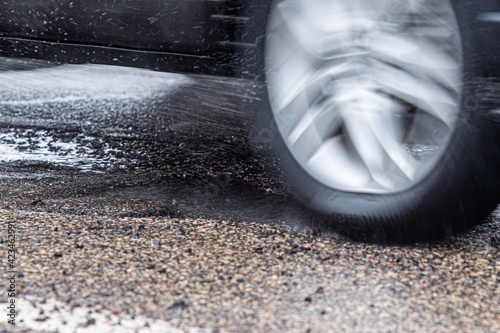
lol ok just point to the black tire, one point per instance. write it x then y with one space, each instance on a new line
460 191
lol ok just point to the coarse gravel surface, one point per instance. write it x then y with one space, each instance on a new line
243 276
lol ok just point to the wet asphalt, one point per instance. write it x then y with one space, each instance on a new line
139 193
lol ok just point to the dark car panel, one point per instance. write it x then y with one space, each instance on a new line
154 34
206 36
156 25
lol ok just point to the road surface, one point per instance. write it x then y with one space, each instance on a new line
138 205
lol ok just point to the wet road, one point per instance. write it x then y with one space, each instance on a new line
135 197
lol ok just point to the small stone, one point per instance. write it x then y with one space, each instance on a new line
41 319
90 321
179 304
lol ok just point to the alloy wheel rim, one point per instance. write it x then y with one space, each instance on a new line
365 95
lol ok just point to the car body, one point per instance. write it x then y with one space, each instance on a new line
201 36
176 35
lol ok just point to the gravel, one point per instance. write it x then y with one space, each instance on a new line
244 276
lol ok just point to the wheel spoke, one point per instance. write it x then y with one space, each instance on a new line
418 58
309 86
381 124
422 93
298 25
336 163
322 118
367 147
320 33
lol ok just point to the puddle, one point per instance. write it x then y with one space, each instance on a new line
40 145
